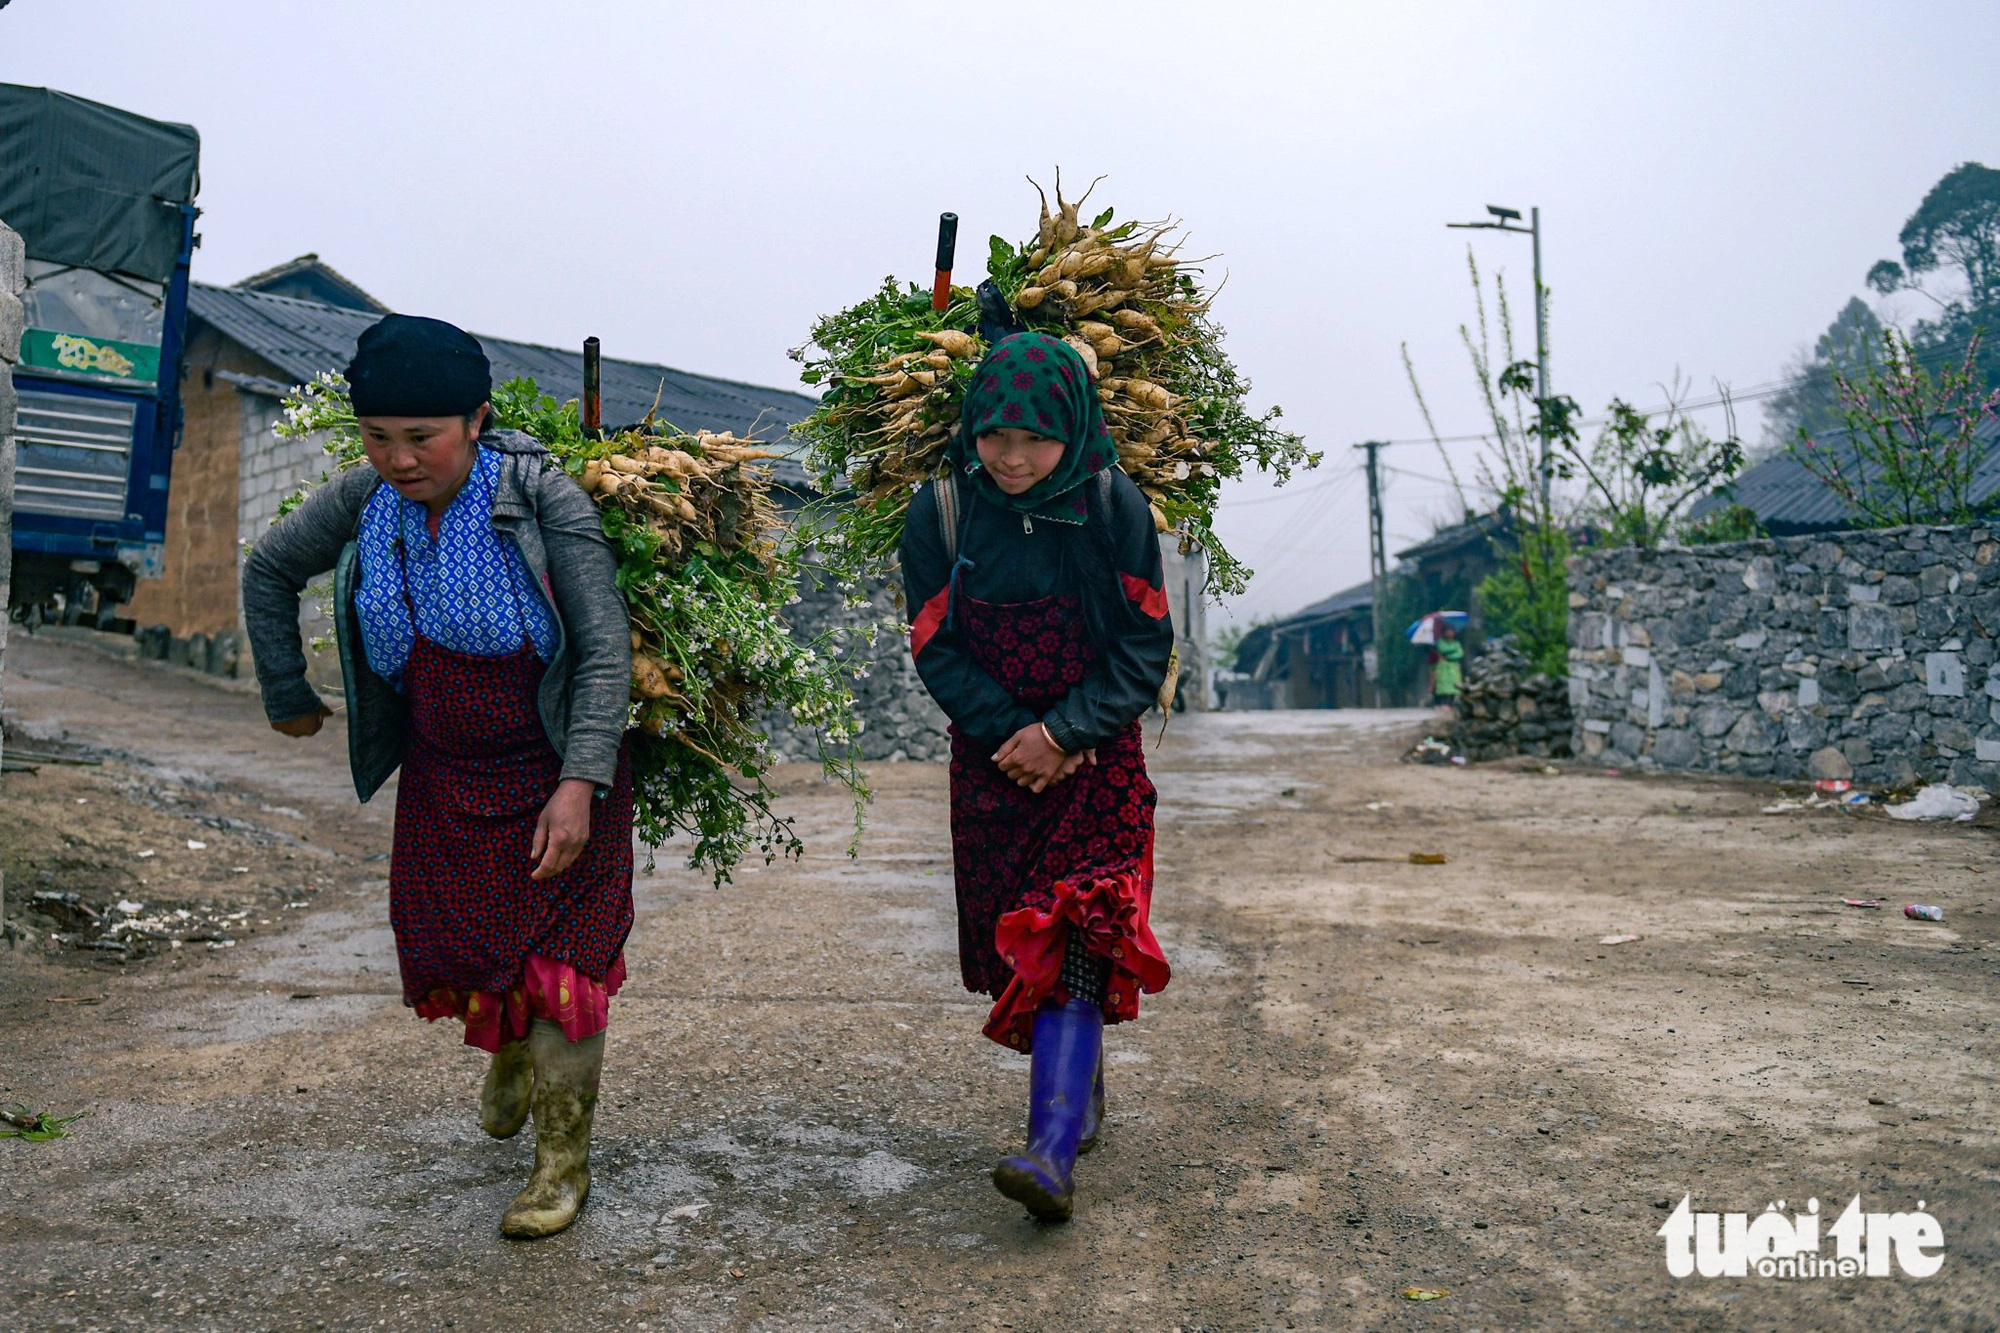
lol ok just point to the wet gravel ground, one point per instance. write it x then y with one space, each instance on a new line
1368 1075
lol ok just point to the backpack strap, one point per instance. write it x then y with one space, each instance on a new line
945 490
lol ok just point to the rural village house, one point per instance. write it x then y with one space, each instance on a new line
1319 657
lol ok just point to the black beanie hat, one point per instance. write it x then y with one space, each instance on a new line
409 366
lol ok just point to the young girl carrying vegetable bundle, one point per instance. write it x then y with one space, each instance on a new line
1039 623
485 650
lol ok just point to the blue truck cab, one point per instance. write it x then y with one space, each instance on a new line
104 202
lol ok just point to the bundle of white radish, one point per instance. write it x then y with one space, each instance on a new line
894 372
706 570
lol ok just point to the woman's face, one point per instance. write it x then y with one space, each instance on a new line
1017 459
426 459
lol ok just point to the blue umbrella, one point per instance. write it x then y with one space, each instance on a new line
1424 631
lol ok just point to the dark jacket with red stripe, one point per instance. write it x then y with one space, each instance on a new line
1011 561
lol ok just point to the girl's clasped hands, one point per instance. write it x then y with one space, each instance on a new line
1033 759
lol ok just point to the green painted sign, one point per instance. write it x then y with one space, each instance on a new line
102 358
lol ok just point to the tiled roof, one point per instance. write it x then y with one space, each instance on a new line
1788 500
1456 537
1359 598
303 338
310 278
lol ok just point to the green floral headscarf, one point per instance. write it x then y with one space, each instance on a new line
1036 382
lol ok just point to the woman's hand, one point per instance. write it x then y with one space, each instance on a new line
1033 761
563 829
303 726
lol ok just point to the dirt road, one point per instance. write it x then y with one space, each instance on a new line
1368 1075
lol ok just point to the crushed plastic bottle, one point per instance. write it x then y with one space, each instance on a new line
1922 912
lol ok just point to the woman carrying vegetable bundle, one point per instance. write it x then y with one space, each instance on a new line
485 649
1040 625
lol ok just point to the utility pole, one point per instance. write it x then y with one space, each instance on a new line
1541 353
1378 563
1502 218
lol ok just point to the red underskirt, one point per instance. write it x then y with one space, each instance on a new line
1107 916
555 992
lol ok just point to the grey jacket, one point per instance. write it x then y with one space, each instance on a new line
585 693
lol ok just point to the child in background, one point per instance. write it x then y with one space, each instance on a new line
1447 667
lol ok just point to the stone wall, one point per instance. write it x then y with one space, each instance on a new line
1505 707
269 468
900 721
1870 654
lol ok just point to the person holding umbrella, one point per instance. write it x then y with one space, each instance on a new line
1439 631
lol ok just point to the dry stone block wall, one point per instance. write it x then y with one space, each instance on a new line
1864 654
1505 707
899 719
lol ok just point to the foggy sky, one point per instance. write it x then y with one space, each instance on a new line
694 183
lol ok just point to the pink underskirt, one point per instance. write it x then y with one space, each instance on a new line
552 991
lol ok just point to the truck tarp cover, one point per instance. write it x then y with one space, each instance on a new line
90 185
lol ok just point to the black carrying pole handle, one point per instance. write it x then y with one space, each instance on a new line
947 250
593 396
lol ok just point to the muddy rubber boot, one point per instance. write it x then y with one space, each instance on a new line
565 1097
503 1102
1069 1039
1093 1119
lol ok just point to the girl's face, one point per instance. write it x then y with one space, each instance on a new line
1018 459
426 459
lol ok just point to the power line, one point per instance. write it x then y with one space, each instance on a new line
1926 356
1424 476
1292 494
1303 521
1289 553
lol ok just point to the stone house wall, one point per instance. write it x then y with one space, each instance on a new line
900 719
1866 653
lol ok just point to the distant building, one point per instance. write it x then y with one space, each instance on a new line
1325 655
1790 501
1314 658
248 344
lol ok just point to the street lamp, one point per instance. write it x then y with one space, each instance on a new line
1508 219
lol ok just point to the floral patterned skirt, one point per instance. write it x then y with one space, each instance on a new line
1070 867
477 936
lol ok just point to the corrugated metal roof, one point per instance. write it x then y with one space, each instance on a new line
1789 500
303 338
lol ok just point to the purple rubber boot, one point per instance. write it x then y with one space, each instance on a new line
1069 1041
